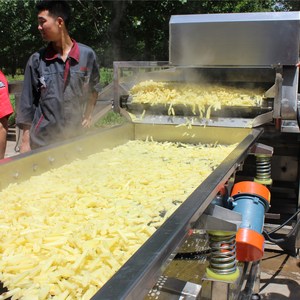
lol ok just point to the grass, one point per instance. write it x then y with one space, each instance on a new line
12 117
15 78
106 76
110 119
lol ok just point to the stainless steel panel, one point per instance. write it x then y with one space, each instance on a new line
196 134
237 39
289 93
23 166
212 122
285 168
244 117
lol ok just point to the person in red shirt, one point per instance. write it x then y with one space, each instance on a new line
6 110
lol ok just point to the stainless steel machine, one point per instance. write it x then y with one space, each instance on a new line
253 50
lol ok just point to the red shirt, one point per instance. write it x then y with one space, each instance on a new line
6 108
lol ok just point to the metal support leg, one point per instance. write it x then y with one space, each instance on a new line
219 290
248 291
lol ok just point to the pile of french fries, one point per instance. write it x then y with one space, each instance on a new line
201 98
65 232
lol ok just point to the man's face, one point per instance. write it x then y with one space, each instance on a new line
49 26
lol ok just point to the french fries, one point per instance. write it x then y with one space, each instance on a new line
65 232
201 98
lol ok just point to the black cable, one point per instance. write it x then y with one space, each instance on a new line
281 240
284 223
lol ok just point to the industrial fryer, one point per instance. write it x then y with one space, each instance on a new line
242 50
252 50
140 273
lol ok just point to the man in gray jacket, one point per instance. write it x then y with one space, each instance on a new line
59 90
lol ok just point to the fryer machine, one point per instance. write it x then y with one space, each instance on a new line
254 49
243 49
247 50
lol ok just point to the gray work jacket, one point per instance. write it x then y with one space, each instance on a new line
55 93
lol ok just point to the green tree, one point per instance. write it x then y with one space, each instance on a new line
116 30
90 25
18 33
144 26
291 5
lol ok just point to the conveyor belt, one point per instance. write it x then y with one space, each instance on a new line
182 110
140 273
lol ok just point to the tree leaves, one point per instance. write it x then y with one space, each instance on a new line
116 30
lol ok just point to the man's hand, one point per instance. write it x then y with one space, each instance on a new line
87 117
86 122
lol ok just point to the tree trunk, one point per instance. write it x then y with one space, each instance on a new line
118 12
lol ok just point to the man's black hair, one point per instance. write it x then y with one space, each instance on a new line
56 8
